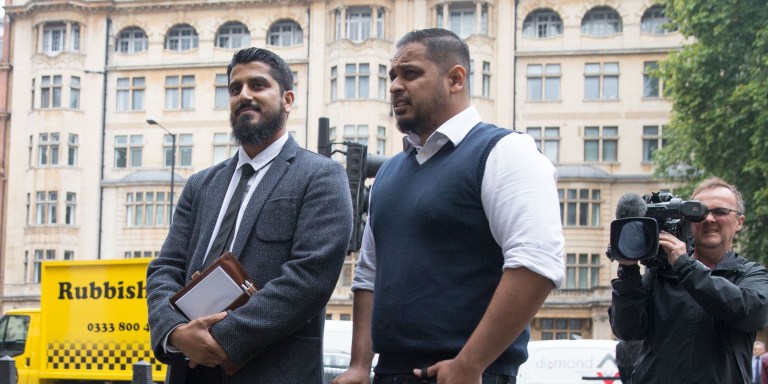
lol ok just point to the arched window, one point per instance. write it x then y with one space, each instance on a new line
285 33
182 37
542 23
655 21
131 40
601 21
233 35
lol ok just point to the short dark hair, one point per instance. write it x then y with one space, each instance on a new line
444 47
280 69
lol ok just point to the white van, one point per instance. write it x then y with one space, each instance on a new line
570 362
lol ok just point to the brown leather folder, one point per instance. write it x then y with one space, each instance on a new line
232 267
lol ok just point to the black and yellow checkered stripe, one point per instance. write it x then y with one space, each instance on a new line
111 356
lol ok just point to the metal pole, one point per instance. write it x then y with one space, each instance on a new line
173 175
173 166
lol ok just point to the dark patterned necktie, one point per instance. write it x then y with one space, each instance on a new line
227 228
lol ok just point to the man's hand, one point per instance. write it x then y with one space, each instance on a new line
194 339
452 371
673 247
353 375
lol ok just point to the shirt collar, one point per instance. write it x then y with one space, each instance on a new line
453 130
264 157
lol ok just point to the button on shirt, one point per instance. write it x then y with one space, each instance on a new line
519 196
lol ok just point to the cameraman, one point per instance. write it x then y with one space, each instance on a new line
698 316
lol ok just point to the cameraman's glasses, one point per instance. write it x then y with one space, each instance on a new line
720 212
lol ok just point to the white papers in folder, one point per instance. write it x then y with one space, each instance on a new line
211 295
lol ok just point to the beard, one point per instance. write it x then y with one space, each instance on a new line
424 119
247 131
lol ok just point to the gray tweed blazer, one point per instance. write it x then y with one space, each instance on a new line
292 241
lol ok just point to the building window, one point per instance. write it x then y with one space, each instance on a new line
75 41
130 94
547 141
181 38
356 133
285 33
222 91
380 23
601 81
563 329
54 36
543 81
2 31
74 92
146 209
582 271
580 207
345 277
48 149
381 140
72 143
295 89
224 147
128 150
383 91
542 23
652 85
46 207
358 23
179 94
334 83
654 21
461 20
69 210
601 144
470 76
356 79
40 256
50 91
184 150
69 255
140 254
601 21
652 140
233 35
486 79
131 40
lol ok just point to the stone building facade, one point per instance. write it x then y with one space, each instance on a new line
89 178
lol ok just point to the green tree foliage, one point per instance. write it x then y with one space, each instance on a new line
718 83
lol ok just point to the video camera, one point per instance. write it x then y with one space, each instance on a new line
639 220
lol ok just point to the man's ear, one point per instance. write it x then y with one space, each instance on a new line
457 76
288 97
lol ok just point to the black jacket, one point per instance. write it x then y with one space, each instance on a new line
697 325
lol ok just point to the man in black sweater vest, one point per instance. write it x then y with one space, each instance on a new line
464 239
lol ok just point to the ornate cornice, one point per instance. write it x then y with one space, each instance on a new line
112 6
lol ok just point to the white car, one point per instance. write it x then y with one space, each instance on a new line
570 362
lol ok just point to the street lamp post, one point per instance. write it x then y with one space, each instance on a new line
173 165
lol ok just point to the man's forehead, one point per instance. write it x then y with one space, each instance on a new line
254 67
409 53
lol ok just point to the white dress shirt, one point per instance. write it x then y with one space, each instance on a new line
260 163
519 196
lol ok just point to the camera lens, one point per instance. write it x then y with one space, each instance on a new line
636 241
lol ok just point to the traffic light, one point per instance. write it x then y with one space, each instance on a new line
356 174
361 165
